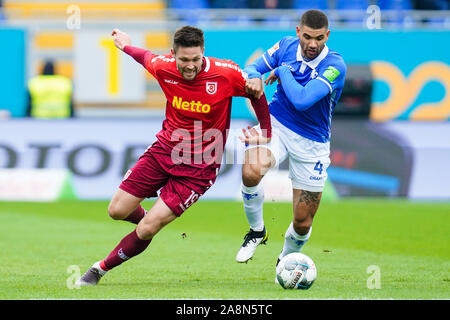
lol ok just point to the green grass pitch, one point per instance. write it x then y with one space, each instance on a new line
363 249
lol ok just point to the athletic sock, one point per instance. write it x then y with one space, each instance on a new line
127 248
293 242
100 266
253 198
136 215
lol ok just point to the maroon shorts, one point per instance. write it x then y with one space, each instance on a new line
180 185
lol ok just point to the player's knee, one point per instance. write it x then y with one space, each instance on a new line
251 175
146 230
115 213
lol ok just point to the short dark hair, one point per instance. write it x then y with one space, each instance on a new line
314 19
188 36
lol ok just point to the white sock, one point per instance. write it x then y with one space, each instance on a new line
97 266
253 206
293 242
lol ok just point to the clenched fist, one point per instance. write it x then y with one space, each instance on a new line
121 39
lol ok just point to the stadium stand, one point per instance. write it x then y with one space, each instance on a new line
92 9
49 38
397 12
187 10
52 40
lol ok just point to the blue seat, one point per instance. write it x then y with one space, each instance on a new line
353 13
351 5
394 4
398 17
188 18
310 4
226 4
189 4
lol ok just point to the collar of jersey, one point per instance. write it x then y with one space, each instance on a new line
314 62
206 65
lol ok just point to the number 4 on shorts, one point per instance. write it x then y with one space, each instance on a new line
319 167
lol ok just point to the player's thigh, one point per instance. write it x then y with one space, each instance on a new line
180 193
309 175
308 181
156 218
122 204
142 181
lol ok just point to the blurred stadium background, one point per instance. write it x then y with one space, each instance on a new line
391 130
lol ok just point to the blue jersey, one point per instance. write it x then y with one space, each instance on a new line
304 101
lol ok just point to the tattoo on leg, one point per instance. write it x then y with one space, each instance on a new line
310 198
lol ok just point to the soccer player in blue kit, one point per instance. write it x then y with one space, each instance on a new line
310 81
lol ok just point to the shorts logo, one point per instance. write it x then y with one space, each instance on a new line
211 87
125 177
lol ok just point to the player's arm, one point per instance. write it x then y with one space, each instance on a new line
254 85
302 97
259 67
265 63
262 113
237 81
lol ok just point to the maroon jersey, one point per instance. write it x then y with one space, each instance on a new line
197 111
183 163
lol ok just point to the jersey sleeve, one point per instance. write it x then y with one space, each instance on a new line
302 97
140 55
332 73
236 78
272 56
268 61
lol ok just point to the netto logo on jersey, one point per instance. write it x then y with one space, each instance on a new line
193 106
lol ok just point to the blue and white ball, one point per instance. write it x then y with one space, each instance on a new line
296 271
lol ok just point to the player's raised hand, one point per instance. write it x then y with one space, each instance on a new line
253 137
121 39
254 87
271 78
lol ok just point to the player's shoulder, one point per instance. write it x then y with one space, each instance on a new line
219 64
162 59
334 58
222 67
288 42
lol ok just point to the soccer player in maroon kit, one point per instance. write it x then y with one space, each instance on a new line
184 161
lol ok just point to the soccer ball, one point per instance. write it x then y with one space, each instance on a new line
296 271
